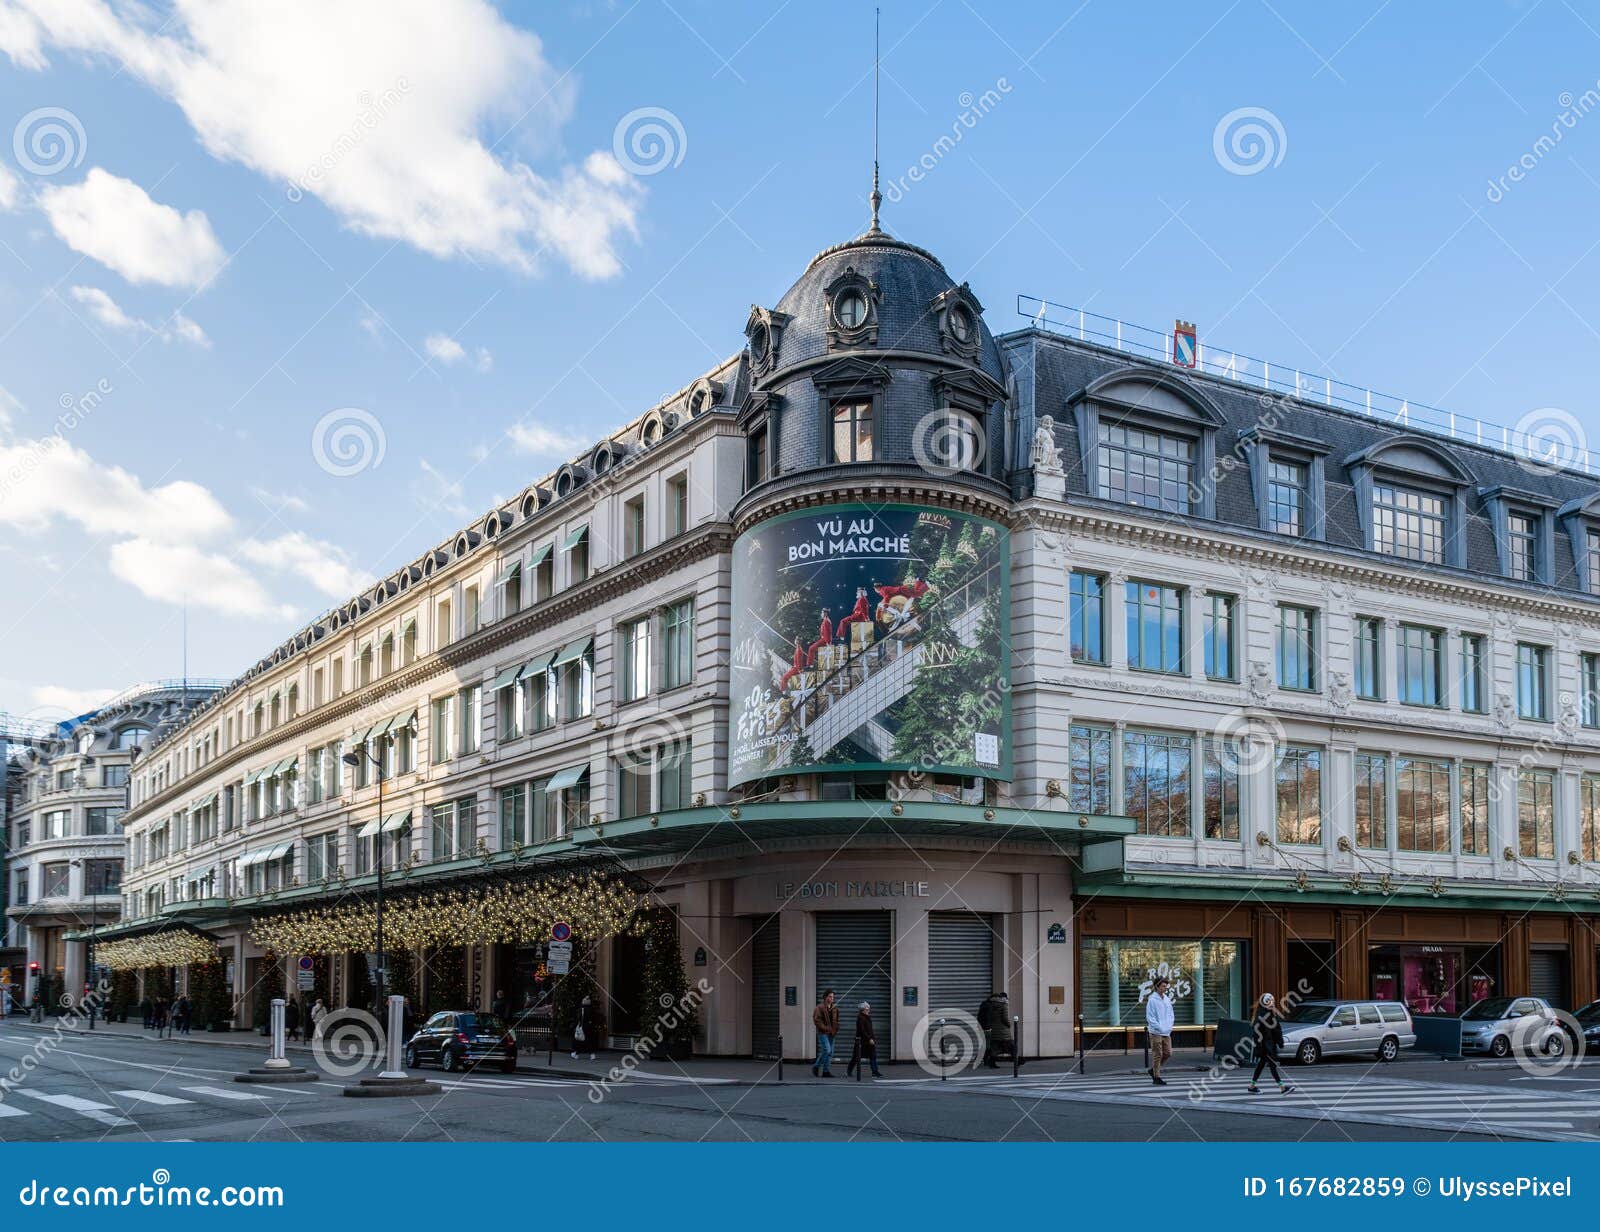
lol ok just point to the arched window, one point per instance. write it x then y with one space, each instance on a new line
386 655
364 666
131 737
294 700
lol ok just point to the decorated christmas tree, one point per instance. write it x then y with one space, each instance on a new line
208 996
666 1012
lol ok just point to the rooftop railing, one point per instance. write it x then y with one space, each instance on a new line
1549 438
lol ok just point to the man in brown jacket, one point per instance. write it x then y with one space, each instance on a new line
826 1020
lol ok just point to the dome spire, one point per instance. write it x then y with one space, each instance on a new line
877 197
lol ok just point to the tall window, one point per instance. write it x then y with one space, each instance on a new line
322 856
633 785
511 591
633 527
677 651
469 711
514 816
1522 547
1589 822
1155 627
674 766
677 505
1372 800
1536 814
1089 769
852 432
1474 698
455 829
1422 804
1591 561
756 456
636 659
577 686
1299 784
1145 468
1221 798
1087 606
1156 781
440 737
1475 808
1533 695
1297 647
508 708
1589 707
1219 644
1421 666
1286 497
1369 658
1408 523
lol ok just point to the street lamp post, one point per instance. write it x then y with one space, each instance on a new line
88 946
353 758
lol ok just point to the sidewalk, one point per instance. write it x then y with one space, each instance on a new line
741 1071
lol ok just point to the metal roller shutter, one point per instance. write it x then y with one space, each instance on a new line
853 960
1547 976
960 960
765 995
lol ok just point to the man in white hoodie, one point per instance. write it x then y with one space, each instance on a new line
1158 1025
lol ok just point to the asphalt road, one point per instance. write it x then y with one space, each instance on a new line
123 1088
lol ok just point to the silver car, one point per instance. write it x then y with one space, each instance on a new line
1501 1026
1317 1029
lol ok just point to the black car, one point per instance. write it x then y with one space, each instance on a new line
1589 1021
460 1039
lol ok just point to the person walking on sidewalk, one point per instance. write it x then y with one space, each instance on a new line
586 1030
1158 1026
825 1018
181 1013
291 1019
149 1012
1267 1029
319 1011
866 1046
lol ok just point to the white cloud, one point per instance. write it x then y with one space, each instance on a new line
325 566
10 408
115 222
397 114
444 348
448 351
10 188
110 314
176 572
71 702
168 541
542 442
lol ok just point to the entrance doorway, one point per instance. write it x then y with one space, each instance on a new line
961 971
853 959
765 995
627 983
1309 968
1547 976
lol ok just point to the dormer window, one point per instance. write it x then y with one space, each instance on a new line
1591 561
852 431
1286 497
851 309
1144 467
961 325
1522 547
1408 523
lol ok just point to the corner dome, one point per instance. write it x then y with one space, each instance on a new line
911 299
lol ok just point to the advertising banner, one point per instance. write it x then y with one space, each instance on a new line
871 637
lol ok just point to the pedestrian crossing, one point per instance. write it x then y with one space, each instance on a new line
1371 1098
119 1115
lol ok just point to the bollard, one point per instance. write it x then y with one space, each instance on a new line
1016 1044
276 1059
780 1058
944 1073
396 1029
1080 1045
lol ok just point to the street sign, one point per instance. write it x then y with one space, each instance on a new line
305 980
559 958
561 931
306 964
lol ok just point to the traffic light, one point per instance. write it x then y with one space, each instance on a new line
33 968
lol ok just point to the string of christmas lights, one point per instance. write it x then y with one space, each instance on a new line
172 948
594 904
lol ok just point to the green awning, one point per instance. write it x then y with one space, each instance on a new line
570 777
371 732
368 830
404 719
509 676
208 801
572 651
575 538
396 821
540 555
286 765
538 664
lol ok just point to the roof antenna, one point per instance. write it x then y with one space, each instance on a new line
877 197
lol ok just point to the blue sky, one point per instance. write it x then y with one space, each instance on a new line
230 223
